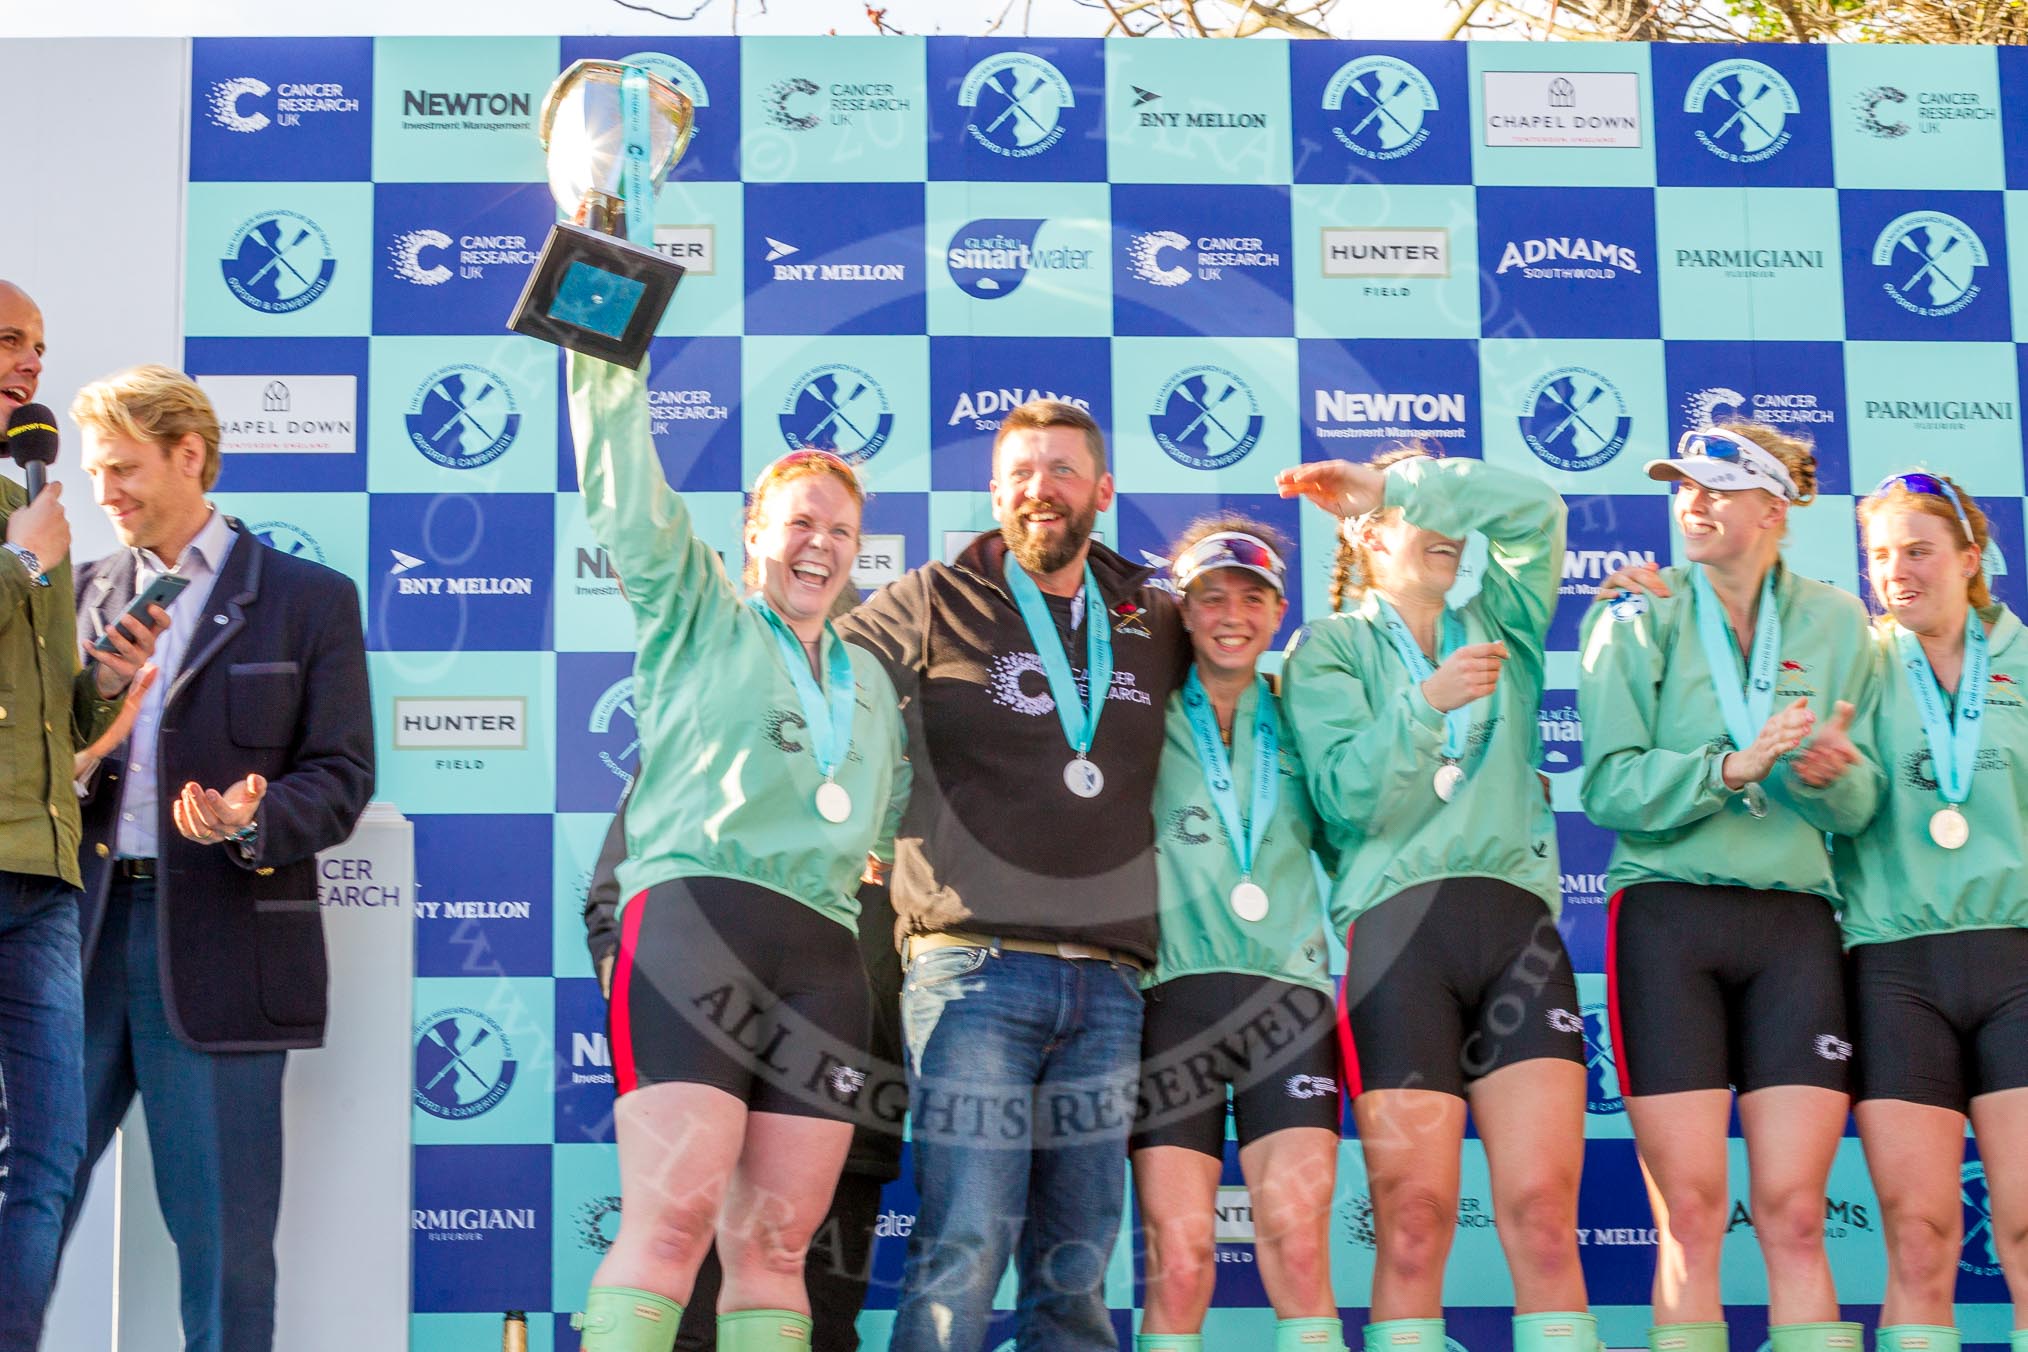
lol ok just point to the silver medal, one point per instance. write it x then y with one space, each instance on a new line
1083 778
1449 779
1756 800
1948 828
834 804
1250 902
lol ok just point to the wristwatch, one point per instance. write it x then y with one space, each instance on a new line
28 561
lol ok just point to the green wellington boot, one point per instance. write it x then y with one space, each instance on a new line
622 1319
763 1331
1826 1337
1708 1337
1324 1333
1393 1335
1915 1338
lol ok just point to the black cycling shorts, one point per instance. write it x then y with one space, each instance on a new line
1725 987
726 983
1449 981
1269 1041
1942 1018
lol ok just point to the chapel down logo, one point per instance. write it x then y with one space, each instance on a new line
236 105
278 262
1384 105
1206 417
837 408
1742 109
464 1064
990 258
1017 102
463 416
1931 261
1574 418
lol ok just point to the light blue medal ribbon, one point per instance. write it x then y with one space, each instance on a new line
1457 722
1078 714
826 712
1746 710
1953 735
1249 900
636 180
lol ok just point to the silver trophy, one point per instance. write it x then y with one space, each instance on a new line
593 290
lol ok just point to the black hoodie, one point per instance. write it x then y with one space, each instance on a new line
994 842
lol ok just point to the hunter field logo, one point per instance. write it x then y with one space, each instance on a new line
991 257
237 104
286 537
1387 251
1575 419
1206 417
463 416
1742 109
837 408
1384 104
1017 102
278 262
612 720
404 257
1932 261
1602 1093
464 1064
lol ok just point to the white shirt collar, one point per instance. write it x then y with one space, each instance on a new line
207 549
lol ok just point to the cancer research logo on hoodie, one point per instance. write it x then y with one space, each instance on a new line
991 257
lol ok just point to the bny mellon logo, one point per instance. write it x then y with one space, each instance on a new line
777 249
404 563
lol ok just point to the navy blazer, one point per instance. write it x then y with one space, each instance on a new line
272 683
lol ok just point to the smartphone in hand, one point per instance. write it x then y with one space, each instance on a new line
160 592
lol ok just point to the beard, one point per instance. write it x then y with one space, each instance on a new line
1039 551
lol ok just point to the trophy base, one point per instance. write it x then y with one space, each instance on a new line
597 294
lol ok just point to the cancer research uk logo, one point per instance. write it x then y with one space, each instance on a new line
464 1064
1742 109
797 103
278 262
991 257
474 254
1574 418
1883 111
1206 417
1165 258
463 416
1932 261
1017 101
237 104
837 408
1383 104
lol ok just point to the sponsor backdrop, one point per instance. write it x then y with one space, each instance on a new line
1236 255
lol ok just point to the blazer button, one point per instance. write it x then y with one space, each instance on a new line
263 872
103 849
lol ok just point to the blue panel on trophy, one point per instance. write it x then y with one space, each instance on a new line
1366 112
1568 263
1925 266
291 411
584 1063
1028 110
598 745
706 69
482 895
281 109
693 415
1797 388
481 1227
453 258
1202 260
459 572
1606 532
1360 397
975 382
1757 116
834 258
1150 523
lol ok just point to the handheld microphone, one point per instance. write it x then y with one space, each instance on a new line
31 440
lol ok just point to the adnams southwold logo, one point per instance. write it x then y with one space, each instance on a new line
1931 261
284 415
464 1064
798 103
1383 104
278 262
424 257
1888 113
1568 257
467 110
990 258
462 416
1742 109
242 104
1017 101
1206 417
1574 418
1569 110
1387 251
983 407
839 408
1166 258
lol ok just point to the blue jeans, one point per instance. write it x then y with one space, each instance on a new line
1021 1075
42 1112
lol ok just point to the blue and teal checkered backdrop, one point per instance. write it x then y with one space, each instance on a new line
1236 254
